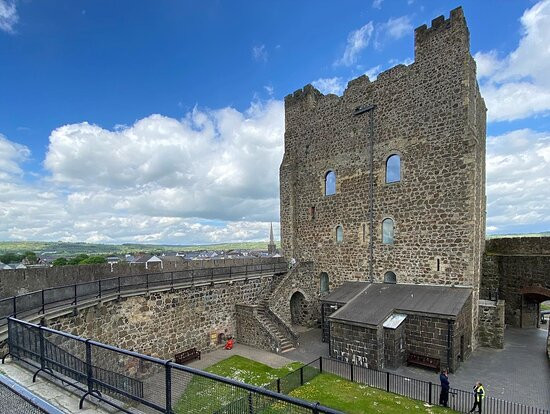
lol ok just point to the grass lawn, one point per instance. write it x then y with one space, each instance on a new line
545 306
205 396
349 397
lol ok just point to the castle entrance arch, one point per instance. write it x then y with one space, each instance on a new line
298 308
531 298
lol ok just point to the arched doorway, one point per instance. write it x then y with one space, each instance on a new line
531 299
298 309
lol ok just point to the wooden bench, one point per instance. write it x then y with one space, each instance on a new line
187 356
424 361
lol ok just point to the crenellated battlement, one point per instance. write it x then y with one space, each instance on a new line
431 41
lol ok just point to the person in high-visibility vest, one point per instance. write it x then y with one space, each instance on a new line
479 395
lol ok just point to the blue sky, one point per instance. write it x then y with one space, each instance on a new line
140 121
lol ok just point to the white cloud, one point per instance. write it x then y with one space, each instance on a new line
357 41
393 29
373 72
518 86
8 15
11 155
334 85
377 4
518 183
259 53
209 177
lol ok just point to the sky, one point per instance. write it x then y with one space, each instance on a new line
163 122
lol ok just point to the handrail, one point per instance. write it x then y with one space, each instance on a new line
70 295
166 364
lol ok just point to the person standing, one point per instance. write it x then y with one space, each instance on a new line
444 395
479 395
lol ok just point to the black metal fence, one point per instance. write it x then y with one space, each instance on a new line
40 301
428 392
132 382
17 399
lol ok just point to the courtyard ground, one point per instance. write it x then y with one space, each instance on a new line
520 372
330 390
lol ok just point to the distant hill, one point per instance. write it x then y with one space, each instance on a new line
71 249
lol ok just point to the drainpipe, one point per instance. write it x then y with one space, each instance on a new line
358 111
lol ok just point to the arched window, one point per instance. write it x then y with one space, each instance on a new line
389 277
323 283
393 169
339 234
387 231
330 183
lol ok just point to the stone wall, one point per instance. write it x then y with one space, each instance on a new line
250 331
15 282
299 279
491 324
432 115
395 349
357 345
164 323
519 245
523 266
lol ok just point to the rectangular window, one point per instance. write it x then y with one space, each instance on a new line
438 265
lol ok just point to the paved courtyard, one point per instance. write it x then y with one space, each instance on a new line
520 372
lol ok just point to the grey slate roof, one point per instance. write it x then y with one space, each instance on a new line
379 300
344 293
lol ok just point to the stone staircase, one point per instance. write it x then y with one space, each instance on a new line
270 322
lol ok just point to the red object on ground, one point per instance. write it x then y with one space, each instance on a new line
229 344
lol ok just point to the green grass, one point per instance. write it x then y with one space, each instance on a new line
352 398
545 306
205 396
63 249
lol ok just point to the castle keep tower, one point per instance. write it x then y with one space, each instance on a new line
387 182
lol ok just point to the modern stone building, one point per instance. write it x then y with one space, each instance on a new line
386 183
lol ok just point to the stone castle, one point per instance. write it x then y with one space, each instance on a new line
383 237
387 182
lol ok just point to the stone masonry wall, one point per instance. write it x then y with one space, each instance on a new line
432 115
299 279
357 345
491 323
162 324
250 331
15 282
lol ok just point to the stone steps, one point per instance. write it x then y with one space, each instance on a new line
285 344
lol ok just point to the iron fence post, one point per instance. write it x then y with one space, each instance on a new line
430 394
279 385
301 375
351 372
41 339
168 391
147 282
89 371
99 293
250 404
315 409
15 306
119 286
42 296
387 381
320 365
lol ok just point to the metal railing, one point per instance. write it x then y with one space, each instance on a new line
425 391
17 399
167 387
67 296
